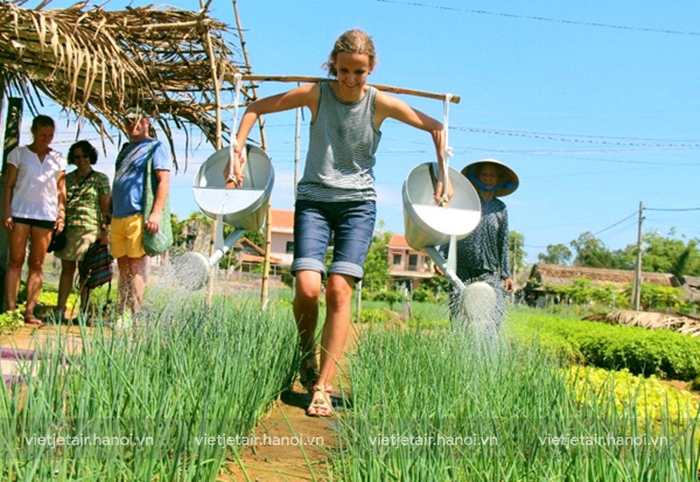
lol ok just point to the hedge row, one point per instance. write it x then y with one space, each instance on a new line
664 353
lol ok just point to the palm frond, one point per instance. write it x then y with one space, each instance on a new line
97 63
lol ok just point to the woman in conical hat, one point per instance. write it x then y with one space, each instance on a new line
484 254
505 183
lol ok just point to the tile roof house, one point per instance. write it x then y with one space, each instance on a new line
408 264
556 275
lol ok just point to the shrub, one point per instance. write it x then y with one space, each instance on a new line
663 353
695 384
11 320
376 316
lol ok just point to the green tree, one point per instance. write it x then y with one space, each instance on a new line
591 252
667 255
625 258
433 290
689 257
655 297
556 254
377 263
256 237
662 254
178 236
517 253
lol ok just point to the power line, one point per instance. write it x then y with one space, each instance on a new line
672 209
546 19
577 138
619 222
589 136
558 153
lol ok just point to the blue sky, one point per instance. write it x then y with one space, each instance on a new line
593 104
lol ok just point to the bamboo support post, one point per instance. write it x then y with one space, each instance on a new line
265 287
217 96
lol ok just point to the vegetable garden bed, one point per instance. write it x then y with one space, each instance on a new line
428 403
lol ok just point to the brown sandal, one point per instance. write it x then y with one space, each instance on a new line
321 405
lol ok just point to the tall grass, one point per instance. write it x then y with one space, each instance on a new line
134 404
441 405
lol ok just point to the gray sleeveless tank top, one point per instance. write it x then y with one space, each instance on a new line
342 147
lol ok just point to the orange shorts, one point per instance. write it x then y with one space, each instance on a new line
127 236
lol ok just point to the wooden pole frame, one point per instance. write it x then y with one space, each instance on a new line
265 286
217 95
637 287
384 88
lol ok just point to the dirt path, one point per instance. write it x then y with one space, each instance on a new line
28 338
289 445
280 456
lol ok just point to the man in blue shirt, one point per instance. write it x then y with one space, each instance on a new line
128 218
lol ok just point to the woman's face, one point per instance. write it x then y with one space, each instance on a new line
489 176
43 137
81 160
353 70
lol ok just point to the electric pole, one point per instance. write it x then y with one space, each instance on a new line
637 291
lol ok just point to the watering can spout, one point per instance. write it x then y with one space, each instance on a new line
444 266
224 247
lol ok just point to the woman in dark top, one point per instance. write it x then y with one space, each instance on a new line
484 254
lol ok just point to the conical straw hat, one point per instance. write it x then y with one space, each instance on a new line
507 183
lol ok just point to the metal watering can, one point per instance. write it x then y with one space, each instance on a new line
428 226
244 208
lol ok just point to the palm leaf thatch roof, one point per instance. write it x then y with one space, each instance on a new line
650 320
556 275
97 63
691 286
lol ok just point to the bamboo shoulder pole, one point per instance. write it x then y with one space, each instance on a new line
384 88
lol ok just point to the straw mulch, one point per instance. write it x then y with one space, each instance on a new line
653 321
97 63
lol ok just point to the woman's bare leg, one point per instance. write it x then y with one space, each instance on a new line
306 295
40 242
17 239
65 284
337 324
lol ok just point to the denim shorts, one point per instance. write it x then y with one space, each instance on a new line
350 223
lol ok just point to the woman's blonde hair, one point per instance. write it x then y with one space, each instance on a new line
354 42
